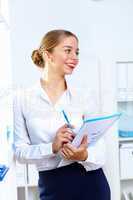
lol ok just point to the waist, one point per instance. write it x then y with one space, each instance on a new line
74 168
54 164
61 170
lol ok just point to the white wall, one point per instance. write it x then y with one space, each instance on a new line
105 31
8 184
104 28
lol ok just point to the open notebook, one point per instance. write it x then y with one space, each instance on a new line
94 128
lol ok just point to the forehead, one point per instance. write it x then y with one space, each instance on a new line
68 41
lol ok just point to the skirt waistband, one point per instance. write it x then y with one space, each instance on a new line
73 167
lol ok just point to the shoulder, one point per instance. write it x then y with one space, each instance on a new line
23 96
24 100
20 94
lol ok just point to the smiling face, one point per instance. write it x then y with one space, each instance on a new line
64 57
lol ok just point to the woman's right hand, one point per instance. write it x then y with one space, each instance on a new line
63 135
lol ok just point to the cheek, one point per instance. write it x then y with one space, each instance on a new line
59 58
77 61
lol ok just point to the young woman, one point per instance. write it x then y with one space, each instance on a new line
42 136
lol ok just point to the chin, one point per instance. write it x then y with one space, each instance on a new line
69 72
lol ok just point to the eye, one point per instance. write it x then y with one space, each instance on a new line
67 51
77 53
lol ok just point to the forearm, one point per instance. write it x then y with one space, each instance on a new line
33 154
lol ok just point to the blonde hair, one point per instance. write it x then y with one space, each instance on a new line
48 43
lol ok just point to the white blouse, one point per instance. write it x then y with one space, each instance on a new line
36 121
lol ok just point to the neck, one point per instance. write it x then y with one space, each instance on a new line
52 80
54 83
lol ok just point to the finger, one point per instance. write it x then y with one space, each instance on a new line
84 141
70 147
66 135
66 130
69 130
67 126
65 140
66 153
69 135
63 154
64 126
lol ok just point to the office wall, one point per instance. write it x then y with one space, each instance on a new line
105 32
104 28
8 183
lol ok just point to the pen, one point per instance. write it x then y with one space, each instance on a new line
67 120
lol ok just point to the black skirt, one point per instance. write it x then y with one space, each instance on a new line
73 182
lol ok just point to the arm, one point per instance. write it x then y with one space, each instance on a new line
25 152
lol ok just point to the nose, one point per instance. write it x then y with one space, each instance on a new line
74 56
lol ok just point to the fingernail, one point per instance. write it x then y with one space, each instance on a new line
69 130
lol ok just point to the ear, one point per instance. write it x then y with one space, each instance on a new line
47 56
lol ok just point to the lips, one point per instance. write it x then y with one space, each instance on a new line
72 65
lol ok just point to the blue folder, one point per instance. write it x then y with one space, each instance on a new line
95 128
3 170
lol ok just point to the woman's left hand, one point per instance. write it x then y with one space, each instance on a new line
70 152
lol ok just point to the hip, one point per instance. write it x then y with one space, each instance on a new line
72 179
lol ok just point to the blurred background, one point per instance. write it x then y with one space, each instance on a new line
105 32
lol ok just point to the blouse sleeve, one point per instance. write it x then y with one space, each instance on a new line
25 152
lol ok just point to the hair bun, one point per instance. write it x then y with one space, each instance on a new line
37 58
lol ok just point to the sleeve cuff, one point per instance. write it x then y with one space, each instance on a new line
46 150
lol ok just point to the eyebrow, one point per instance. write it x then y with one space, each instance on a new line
67 46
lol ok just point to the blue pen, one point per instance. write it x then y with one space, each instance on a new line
67 120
